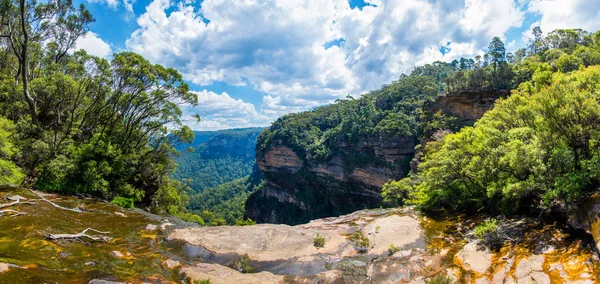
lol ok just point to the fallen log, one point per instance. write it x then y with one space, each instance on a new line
80 235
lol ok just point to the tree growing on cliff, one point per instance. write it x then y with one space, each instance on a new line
535 150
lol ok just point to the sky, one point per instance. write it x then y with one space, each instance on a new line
251 61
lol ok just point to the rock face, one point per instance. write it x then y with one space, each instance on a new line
299 189
423 247
466 105
585 216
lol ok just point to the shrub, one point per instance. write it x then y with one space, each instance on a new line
205 281
361 241
123 202
393 249
486 229
319 241
439 279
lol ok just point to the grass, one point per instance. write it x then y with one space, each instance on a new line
319 241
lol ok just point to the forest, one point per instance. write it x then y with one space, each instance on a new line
79 124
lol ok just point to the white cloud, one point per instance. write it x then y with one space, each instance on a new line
567 14
221 111
277 47
93 45
111 3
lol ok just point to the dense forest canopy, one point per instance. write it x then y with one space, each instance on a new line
81 124
216 157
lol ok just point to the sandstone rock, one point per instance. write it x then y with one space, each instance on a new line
401 231
118 254
218 274
151 227
164 226
170 264
264 242
4 267
120 214
17 197
98 281
527 266
475 256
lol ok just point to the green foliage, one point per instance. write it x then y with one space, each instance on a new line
439 279
360 241
223 204
393 249
10 174
205 281
534 150
246 222
242 264
218 157
123 202
319 241
486 228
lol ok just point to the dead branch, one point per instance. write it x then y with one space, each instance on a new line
18 201
17 213
54 204
80 235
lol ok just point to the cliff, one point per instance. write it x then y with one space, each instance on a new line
299 187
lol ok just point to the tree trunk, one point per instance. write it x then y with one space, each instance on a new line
24 59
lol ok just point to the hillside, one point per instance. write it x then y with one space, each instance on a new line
218 157
337 158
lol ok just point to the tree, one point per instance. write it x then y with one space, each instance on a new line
497 54
537 44
30 24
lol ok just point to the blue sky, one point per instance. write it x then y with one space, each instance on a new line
251 61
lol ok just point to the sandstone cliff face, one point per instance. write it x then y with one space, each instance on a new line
299 189
466 105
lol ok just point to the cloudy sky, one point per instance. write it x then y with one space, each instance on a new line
251 61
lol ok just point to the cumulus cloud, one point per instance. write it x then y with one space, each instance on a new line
567 14
281 47
221 111
93 45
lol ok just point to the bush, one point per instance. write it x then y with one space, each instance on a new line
319 241
361 241
393 249
439 279
123 202
486 228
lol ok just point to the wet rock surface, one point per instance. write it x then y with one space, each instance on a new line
369 246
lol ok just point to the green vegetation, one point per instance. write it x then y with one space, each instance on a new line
80 124
361 241
10 173
218 157
205 281
225 203
123 202
319 241
535 151
488 227
393 249
439 279
242 264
